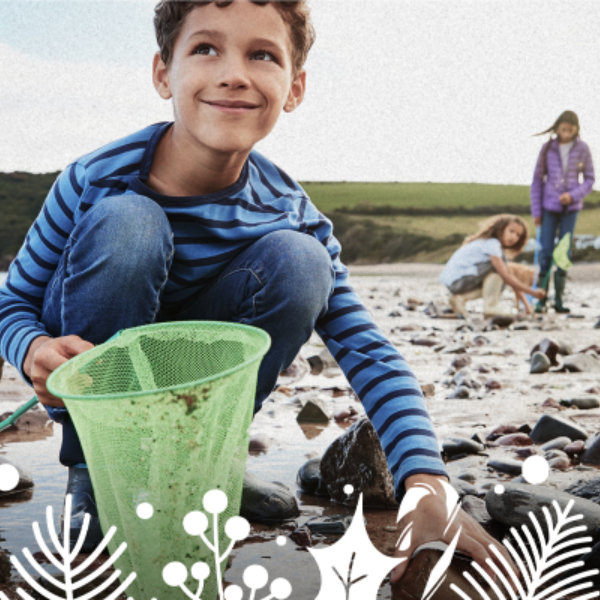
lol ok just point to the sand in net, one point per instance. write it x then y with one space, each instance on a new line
163 412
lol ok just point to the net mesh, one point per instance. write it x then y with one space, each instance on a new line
163 412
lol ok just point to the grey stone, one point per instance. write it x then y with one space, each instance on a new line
267 502
512 507
557 442
564 348
559 463
539 363
314 411
581 363
549 427
475 507
506 465
309 478
4 567
469 476
461 361
357 458
464 488
455 446
460 393
584 403
465 378
591 456
330 525
588 489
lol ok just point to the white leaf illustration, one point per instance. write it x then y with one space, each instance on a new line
73 577
541 562
352 568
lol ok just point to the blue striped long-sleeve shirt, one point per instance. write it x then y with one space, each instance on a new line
209 231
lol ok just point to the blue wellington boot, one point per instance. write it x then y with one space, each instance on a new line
79 485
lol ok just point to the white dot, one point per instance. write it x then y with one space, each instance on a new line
200 571
281 588
215 501
535 469
233 592
281 540
174 574
499 489
195 522
237 528
9 478
348 489
255 577
145 510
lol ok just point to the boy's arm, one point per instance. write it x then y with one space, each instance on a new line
22 294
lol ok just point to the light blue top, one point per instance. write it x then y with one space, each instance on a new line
466 259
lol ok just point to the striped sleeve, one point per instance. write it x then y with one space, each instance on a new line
22 294
378 374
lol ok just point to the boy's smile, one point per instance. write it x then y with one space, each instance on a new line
230 76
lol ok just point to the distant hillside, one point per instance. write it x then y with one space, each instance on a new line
376 222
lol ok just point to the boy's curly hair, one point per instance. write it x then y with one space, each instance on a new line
169 16
493 228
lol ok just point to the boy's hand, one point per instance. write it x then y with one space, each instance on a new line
429 521
46 354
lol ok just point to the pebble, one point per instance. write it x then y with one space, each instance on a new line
575 448
481 340
258 445
428 390
261 499
506 465
585 403
512 507
4 567
464 488
309 479
465 378
320 362
539 363
492 384
314 411
501 430
581 363
469 476
549 348
551 403
475 506
460 393
302 537
460 362
356 458
330 525
591 456
345 415
559 463
455 446
525 452
461 349
589 489
549 427
515 439
500 321
556 443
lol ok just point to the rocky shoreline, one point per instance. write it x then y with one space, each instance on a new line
494 401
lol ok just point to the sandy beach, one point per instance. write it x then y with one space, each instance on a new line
404 299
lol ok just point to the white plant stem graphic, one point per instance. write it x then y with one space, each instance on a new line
540 562
74 577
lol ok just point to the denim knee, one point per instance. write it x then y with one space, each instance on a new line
130 234
305 276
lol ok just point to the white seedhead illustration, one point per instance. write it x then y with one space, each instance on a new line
352 568
547 562
74 578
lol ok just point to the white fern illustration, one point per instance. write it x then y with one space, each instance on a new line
75 577
196 523
541 563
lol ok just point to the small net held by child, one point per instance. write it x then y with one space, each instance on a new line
163 412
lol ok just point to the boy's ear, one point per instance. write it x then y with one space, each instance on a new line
296 93
160 77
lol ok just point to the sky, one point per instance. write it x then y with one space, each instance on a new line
397 90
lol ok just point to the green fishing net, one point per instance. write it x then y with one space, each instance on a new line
163 412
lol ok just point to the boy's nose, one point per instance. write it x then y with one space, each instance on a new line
233 74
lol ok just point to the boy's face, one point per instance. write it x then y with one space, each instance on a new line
230 75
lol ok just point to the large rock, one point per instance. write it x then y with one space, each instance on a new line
357 458
549 427
267 502
591 456
309 478
586 489
513 506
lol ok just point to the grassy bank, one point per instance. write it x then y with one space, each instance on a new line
376 222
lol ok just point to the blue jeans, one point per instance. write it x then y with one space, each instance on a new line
116 263
564 222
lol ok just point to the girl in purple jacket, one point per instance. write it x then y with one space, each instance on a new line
563 177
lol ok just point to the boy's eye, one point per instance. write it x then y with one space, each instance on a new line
205 50
263 55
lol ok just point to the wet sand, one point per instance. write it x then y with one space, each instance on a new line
397 296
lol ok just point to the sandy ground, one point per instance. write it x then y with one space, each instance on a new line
397 296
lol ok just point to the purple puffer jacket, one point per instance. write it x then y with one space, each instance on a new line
546 188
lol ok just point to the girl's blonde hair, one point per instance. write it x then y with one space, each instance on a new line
493 228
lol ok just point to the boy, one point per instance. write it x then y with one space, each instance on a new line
184 220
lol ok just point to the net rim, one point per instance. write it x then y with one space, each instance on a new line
256 331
